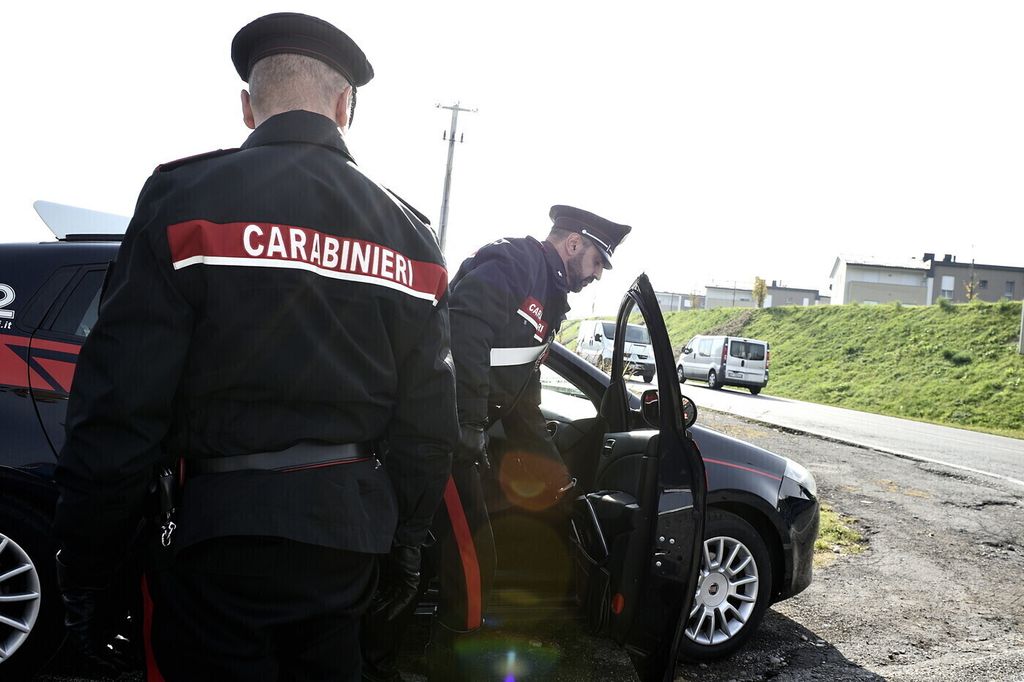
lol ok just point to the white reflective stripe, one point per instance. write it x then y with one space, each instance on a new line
300 265
528 318
507 357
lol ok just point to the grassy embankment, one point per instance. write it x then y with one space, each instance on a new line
956 365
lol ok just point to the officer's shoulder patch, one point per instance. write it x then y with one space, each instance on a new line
171 165
424 219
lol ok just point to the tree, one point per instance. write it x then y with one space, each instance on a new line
760 291
971 286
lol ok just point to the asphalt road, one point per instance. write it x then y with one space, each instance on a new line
970 451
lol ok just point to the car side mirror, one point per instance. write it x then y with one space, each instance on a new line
597 337
687 350
689 412
650 409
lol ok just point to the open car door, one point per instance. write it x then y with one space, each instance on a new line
637 532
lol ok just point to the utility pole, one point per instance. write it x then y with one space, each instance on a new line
450 136
1020 344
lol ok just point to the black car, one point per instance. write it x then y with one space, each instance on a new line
631 557
760 510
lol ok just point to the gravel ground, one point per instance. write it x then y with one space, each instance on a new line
938 596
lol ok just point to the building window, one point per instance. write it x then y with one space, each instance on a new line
947 287
1009 289
983 284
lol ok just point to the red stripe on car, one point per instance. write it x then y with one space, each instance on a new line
739 466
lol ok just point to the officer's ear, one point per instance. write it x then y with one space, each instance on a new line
343 110
573 243
247 116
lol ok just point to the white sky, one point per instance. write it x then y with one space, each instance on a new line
738 138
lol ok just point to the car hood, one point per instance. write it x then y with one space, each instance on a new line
718 448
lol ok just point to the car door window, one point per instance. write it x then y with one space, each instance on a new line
78 314
561 397
704 349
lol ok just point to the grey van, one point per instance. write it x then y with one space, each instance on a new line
726 361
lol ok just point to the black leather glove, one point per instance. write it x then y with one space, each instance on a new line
86 598
399 582
472 446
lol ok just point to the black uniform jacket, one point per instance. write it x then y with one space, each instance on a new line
265 296
507 302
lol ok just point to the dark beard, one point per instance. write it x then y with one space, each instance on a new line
573 272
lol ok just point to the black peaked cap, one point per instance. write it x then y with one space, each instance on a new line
605 234
293 33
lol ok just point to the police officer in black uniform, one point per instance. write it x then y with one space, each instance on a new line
276 329
507 302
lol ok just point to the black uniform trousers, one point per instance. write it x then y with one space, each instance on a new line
465 550
257 609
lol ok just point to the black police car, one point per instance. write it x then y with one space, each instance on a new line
640 500
633 560
49 294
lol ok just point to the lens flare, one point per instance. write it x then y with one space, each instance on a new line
531 481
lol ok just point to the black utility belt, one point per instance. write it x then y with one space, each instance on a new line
296 458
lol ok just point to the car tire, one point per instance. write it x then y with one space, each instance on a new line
709 634
713 380
25 540
754 390
679 373
647 377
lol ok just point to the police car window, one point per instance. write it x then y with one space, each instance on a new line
81 309
559 397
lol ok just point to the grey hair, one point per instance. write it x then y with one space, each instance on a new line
285 82
560 234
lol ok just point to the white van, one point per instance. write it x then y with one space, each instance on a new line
596 339
726 361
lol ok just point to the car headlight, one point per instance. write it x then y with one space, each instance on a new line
801 476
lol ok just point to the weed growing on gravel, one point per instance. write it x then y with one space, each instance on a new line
835 536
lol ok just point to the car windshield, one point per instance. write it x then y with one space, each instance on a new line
634 333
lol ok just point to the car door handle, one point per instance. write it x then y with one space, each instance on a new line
743 363
609 445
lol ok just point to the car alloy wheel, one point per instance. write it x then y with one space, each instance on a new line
712 379
679 373
726 592
733 588
20 594
31 612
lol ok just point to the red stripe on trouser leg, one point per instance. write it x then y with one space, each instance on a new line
152 672
467 551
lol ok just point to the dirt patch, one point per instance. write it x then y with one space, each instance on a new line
734 325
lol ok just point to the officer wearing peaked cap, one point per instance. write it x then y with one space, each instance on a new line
508 301
276 328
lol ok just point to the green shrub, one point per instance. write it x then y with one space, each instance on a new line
1005 305
946 304
956 357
